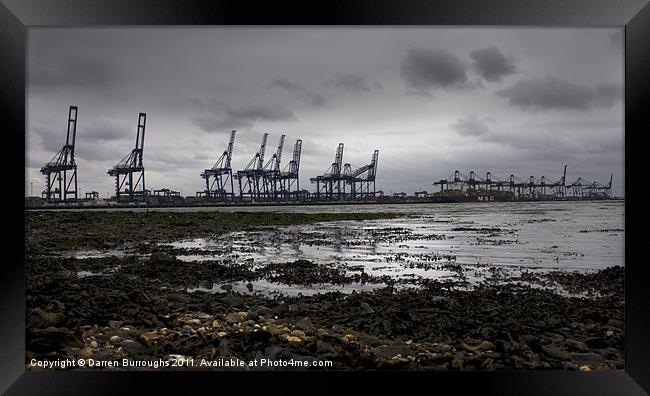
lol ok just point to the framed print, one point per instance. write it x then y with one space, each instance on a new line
215 192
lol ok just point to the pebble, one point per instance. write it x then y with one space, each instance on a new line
390 351
579 345
323 347
114 339
555 352
94 344
131 346
86 352
486 346
116 324
236 317
263 310
348 337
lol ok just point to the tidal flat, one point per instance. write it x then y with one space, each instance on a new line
435 287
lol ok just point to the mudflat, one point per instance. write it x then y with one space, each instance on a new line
140 299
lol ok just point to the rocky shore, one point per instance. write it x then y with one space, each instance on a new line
140 307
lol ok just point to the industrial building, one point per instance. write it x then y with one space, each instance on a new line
533 188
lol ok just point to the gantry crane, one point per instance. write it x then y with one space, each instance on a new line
361 179
289 181
219 176
131 166
62 167
271 173
251 183
328 185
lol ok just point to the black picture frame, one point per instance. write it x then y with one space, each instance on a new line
16 16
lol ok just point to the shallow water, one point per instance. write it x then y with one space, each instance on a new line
267 288
568 235
460 242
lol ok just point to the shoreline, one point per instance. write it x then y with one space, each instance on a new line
300 204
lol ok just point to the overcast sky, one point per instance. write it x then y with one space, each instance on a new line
432 100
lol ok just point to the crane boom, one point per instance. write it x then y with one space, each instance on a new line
139 138
336 166
297 148
260 161
278 155
231 144
373 165
72 127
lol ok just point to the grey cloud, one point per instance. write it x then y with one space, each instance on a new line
51 140
491 64
551 144
203 156
536 94
105 129
424 70
218 115
607 94
71 71
107 154
353 83
92 135
260 112
299 92
471 126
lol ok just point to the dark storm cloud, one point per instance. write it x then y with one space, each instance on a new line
299 92
71 71
471 126
217 116
491 64
353 83
424 69
93 131
536 94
